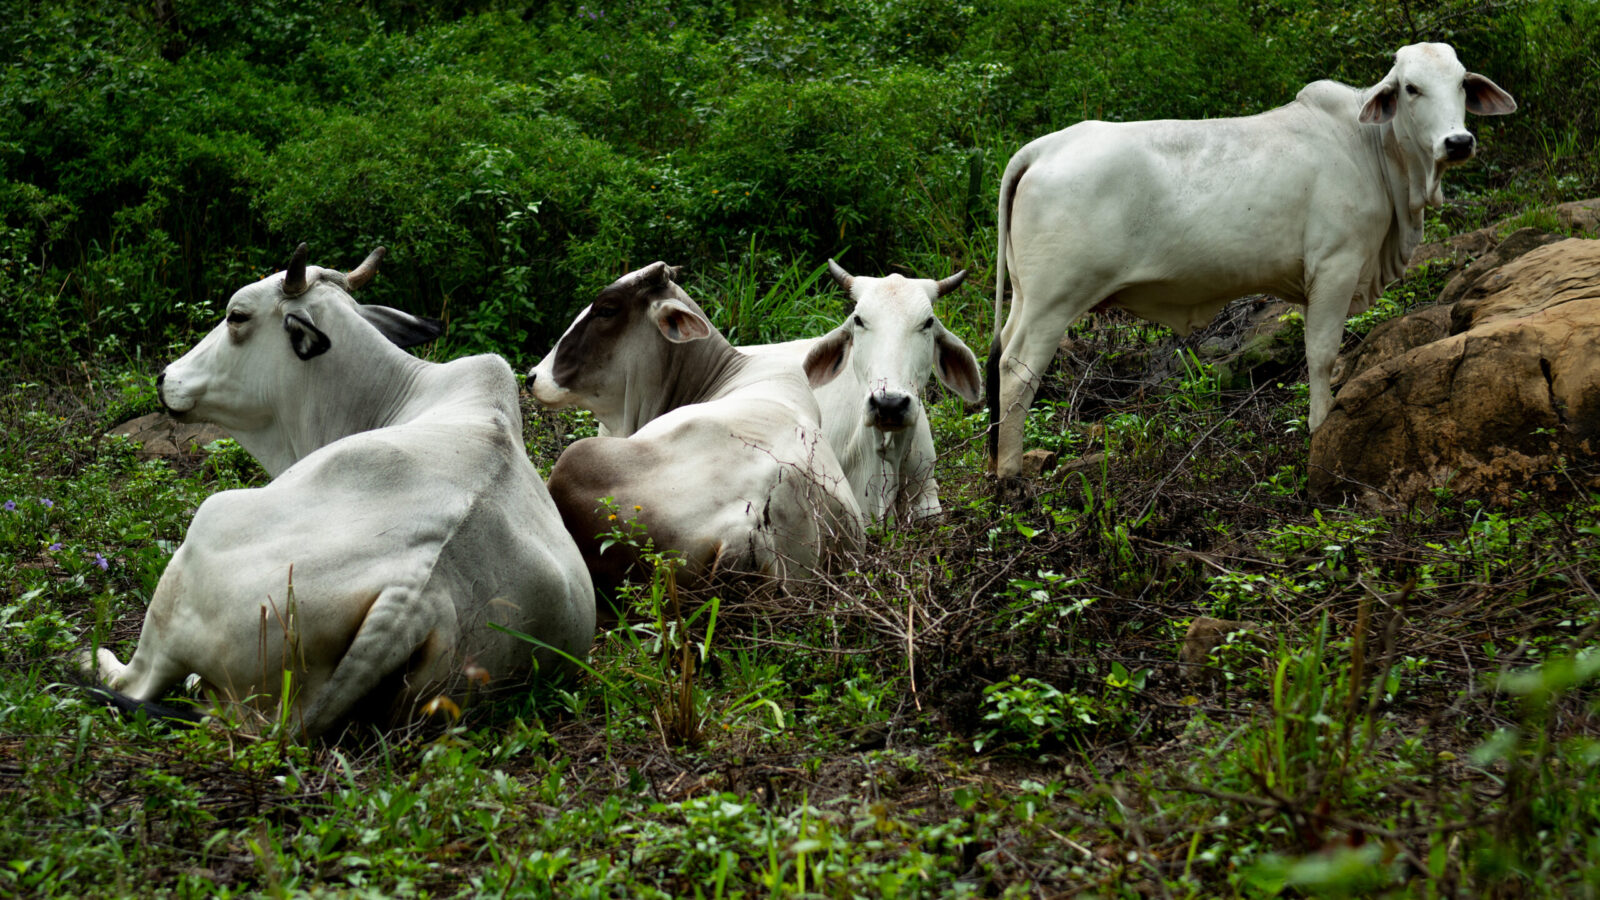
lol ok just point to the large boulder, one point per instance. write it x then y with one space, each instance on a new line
1393 338
1487 411
1515 245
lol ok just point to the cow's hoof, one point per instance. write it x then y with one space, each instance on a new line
1014 490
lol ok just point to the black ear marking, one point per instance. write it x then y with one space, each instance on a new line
306 338
402 329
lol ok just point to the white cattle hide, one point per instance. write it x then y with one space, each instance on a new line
403 515
1319 202
716 453
873 367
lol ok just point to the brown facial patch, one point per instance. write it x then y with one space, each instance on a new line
591 342
590 345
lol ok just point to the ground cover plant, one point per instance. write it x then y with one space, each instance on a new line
994 703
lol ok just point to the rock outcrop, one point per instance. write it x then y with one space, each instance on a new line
1497 406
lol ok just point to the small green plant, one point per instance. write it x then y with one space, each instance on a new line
1026 713
1200 388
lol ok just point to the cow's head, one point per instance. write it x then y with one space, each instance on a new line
276 333
1426 96
891 339
619 345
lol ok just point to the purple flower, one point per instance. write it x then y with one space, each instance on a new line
56 546
48 503
102 562
11 506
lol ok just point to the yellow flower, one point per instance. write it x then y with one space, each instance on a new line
612 517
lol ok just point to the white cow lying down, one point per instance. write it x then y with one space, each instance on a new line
402 501
718 453
878 361
1318 202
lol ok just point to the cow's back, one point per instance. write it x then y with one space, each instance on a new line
1181 216
445 506
732 484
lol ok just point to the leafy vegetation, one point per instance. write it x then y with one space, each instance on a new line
516 158
991 704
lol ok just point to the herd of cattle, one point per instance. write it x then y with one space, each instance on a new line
406 547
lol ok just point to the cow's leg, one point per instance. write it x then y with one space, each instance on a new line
1327 305
1022 366
149 674
154 668
397 625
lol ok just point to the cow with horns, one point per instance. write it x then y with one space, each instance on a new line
868 374
403 522
715 453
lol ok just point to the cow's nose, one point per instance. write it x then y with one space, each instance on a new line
161 396
889 410
1458 146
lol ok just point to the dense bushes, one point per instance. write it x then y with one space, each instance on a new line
516 157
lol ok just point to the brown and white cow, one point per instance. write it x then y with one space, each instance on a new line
718 454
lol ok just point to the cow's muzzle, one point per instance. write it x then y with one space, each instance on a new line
1459 147
161 394
889 411
166 404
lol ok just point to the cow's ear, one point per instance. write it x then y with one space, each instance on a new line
1383 99
679 323
827 356
305 337
1485 98
402 329
956 366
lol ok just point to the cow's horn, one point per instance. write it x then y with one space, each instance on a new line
845 279
360 275
294 276
946 285
657 273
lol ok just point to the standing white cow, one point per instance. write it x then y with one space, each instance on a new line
403 508
872 410
1318 202
717 453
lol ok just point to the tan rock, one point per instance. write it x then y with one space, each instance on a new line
160 435
1580 215
1391 339
1087 463
1486 412
1460 248
1516 244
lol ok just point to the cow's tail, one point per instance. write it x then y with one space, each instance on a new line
176 717
1008 191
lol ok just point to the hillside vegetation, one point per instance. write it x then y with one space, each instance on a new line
990 704
518 157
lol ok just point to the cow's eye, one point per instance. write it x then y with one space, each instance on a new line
236 317
1412 90
860 323
605 312
928 324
